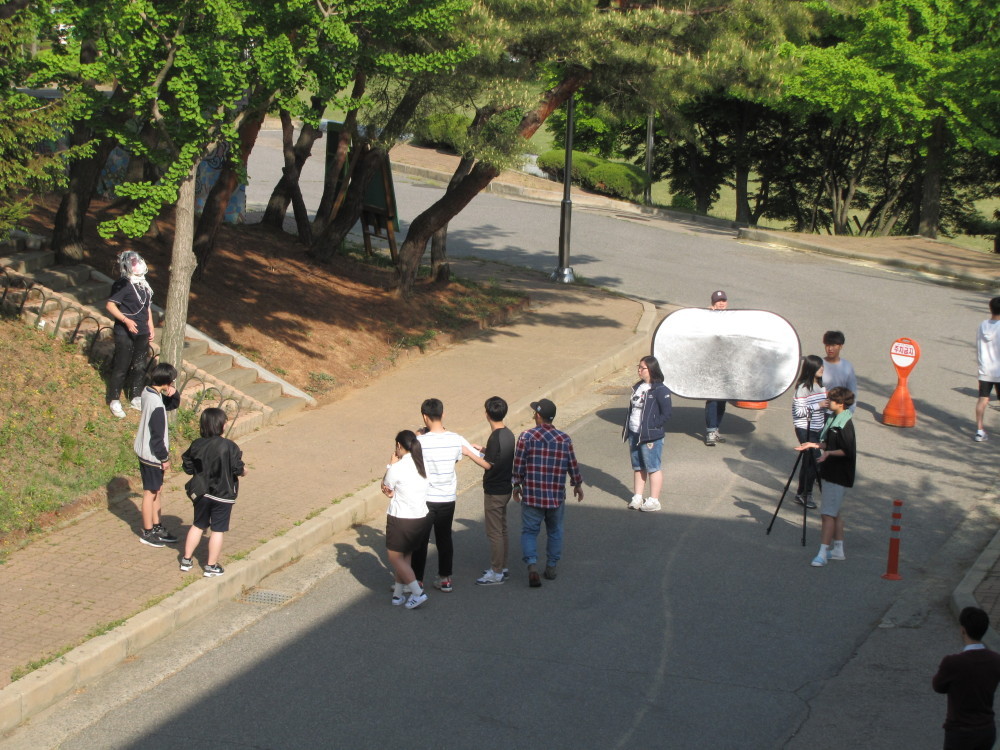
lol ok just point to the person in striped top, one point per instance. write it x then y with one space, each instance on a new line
542 459
809 406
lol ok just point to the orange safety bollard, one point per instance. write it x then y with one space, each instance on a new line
751 404
892 567
899 412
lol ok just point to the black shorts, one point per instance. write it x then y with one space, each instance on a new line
152 477
985 388
213 514
403 534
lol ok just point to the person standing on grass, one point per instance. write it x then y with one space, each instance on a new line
988 351
130 304
837 461
442 450
499 454
405 484
543 458
970 680
650 408
152 447
217 465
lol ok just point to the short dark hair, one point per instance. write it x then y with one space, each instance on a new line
163 374
655 373
975 621
496 408
841 395
212 422
995 306
833 338
433 408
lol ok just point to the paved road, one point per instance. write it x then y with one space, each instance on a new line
688 628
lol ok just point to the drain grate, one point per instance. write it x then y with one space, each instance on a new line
263 596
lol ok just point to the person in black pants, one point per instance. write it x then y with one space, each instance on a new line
130 306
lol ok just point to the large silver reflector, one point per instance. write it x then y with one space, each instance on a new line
741 355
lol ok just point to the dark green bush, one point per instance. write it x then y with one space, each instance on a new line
442 130
553 162
683 202
617 180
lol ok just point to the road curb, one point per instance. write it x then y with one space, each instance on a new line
930 269
100 655
964 594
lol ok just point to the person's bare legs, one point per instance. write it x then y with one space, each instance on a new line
829 529
214 547
655 483
981 403
639 483
191 543
401 567
150 508
838 529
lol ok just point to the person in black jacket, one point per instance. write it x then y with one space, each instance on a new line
836 468
649 410
217 464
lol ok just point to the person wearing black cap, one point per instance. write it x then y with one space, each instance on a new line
715 409
542 459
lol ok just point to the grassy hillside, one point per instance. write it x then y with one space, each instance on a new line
57 439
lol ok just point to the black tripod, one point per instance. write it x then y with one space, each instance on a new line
810 462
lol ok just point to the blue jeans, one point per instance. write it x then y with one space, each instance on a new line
531 525
714 412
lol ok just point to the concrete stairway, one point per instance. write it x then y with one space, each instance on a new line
65 297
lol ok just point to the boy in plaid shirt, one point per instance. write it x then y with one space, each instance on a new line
542 459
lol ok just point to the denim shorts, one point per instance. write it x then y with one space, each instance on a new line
645 456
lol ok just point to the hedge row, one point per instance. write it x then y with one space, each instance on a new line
594 173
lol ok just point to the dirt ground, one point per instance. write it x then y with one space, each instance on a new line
326 328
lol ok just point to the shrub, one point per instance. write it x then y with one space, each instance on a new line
442 130
683 202
554 162
617 180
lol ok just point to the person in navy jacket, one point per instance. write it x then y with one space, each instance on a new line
649 410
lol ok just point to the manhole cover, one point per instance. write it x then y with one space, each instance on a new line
263 596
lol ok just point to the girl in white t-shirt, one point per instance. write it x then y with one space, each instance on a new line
405 484
809 406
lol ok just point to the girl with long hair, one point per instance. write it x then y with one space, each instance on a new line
809 405
405 484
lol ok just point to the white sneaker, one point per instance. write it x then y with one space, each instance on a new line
136 403
116 409
636 503
980 436
819 561
836 555
650 504
415 601
489 578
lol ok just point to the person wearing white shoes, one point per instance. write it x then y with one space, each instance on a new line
988 351
837 464
130 304
407 518
649 409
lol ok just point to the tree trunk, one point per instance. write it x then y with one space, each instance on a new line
930 200
336 158
84 174
453 201
329 240
182 265
214 212
295 158
741 182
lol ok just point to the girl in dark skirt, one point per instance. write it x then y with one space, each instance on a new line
405 484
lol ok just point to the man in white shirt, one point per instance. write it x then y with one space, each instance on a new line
442 450
988 349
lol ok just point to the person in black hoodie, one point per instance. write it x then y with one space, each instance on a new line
217 465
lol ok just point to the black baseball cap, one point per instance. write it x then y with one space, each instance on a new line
544 408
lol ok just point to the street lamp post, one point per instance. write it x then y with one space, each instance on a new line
564 274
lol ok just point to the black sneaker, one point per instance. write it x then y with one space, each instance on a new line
186 564
165 536
150 537
211 571
806 500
